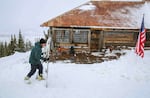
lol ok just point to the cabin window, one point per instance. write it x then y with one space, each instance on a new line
63 36
148 36
80 36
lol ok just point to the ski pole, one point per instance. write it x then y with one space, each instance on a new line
47 74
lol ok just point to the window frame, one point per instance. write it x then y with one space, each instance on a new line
82 36
62 35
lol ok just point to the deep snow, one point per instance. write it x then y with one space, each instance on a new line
128 77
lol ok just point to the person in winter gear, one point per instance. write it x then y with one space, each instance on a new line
35 60
72 54
72 51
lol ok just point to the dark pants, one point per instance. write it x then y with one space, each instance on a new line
33 69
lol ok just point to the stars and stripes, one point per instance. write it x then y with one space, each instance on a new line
139 49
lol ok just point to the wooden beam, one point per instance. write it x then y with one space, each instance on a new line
101 40
89 40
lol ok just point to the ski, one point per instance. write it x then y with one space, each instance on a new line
47 54
47 75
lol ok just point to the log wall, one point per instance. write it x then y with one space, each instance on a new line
98 39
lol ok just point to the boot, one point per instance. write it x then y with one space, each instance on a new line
40 77
26 78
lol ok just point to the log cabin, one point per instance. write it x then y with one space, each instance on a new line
100 23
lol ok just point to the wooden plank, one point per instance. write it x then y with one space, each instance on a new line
101 44
89 40
118 37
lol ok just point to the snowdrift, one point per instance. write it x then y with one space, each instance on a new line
127 77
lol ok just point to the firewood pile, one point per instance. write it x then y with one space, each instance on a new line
89 58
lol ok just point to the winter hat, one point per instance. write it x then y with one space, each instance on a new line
42 41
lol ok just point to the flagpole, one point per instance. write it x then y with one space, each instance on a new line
144 49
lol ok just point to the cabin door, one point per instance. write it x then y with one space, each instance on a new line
95 35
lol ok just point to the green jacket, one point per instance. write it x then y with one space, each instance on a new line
35 55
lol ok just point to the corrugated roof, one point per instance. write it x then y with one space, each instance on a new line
104 14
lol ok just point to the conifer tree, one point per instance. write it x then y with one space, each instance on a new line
21 44
6 49
1 49
12 45
15 42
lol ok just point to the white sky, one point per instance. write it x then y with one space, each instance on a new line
27 15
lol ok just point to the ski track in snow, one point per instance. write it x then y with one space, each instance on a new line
128 77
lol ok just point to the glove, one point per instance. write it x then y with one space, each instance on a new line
45 59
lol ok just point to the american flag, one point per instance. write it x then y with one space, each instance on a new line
139 49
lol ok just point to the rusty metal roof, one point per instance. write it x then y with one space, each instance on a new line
102 14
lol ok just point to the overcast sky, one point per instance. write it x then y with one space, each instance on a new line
27 15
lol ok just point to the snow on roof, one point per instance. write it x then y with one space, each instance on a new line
135 15
89 6
108 14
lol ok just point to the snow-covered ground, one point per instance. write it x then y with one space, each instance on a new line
127 77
